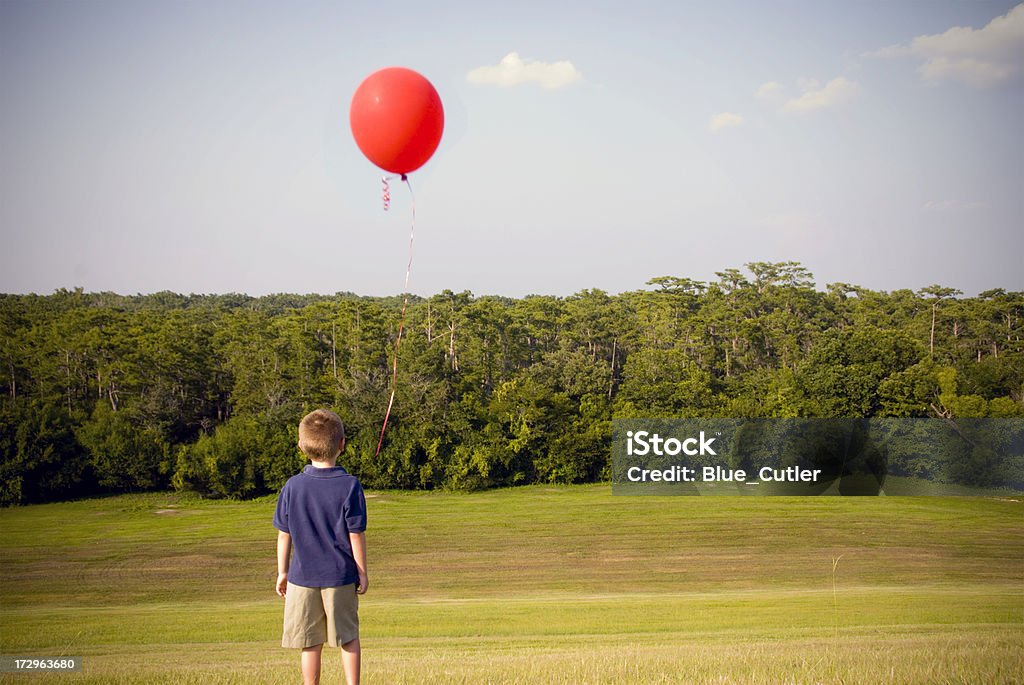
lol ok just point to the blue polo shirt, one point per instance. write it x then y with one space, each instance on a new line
319 508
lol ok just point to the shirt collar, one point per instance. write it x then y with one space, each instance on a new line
332 472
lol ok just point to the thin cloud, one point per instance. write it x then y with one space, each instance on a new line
838 91
982 58
771 92
513 71
973 72
725 120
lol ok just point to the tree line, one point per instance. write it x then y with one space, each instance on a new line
101 392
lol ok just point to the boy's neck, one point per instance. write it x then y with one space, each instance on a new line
324 464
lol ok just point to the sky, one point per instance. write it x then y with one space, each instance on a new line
204 147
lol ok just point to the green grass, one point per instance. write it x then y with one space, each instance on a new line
536 585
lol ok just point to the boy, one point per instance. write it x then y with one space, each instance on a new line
321 513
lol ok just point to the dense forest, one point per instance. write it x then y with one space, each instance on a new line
102 392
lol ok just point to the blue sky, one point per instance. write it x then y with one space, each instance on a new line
205 147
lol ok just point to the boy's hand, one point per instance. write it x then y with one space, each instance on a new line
282 583
363 585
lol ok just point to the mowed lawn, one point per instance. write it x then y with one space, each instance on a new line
535 585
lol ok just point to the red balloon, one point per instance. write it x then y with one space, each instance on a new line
397 119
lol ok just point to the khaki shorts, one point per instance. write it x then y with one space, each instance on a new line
315 615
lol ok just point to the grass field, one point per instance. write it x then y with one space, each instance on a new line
535 585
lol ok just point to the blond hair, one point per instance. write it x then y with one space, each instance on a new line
320 434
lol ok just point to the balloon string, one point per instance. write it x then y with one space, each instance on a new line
405 303
385 193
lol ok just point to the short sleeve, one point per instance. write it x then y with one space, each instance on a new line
281 512
355 510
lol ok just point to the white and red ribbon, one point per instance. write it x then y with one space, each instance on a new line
405 303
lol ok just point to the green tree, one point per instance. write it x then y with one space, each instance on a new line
123 453
40 458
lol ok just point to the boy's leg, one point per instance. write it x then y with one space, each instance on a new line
350 655
311 665
342 607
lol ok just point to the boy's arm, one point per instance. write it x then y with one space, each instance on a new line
358 542
284 557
